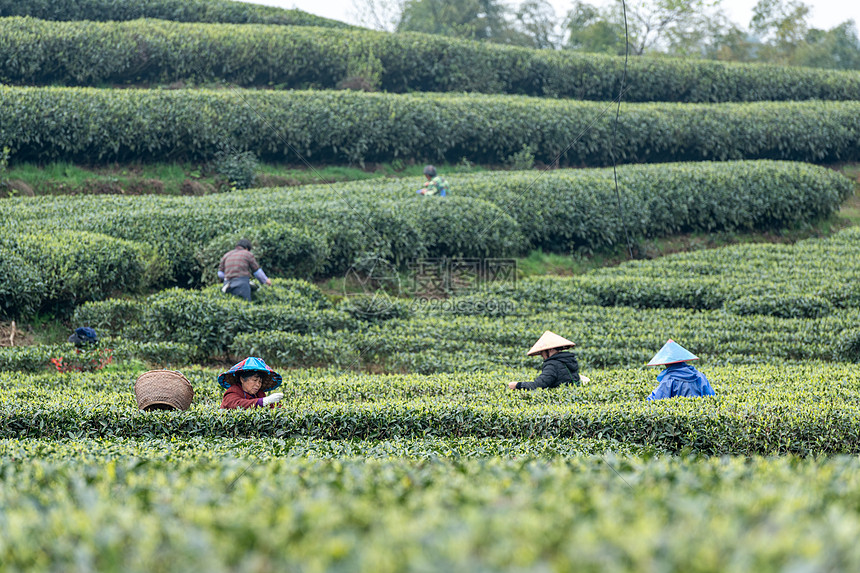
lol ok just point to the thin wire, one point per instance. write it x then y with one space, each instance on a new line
505 209
248 467
615 133
616 471
615 175
617 100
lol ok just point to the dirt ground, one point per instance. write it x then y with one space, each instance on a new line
11 335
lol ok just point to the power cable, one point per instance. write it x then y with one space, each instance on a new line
615 133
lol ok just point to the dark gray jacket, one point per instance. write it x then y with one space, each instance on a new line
558 369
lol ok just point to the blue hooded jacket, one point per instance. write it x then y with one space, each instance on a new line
681 379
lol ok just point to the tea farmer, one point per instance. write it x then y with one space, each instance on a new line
435 184
678 378
559 367
84 336
236 268
247 383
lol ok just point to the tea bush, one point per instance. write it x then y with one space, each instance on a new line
326 229
21 287
43 124
806 409
92 53
156 353
286 250
59 270
177 10
803 306
171 505
210 320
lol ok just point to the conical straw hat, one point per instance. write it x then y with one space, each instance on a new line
547 341
271 379
672 353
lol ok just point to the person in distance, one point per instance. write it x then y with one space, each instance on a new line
559 366
678 378
236 268
435 184
246 384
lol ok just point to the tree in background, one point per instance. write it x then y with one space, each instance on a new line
786 38
533 23
837 48
681 28
471 19
378 14
730 43
536 23
779 32
781 26
591 29
667 26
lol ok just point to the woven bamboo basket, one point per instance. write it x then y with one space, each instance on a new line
163 390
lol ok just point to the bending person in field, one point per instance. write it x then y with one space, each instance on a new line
678 378
247 383
559 366
236 268
435 184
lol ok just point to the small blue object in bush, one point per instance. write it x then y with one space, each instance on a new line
83 336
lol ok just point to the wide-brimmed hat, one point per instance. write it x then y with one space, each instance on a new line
271 379
672 353
549 340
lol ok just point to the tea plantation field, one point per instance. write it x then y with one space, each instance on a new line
436 465
398 445
397 473
199 505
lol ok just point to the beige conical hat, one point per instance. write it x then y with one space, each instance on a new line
547 341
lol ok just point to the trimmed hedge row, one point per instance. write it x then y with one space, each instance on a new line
208 320
324 230
558 211
108 125
56 271
807 280
336 349
223 11
562 211
38 358
22 290
673 429
605 337
807 410
201 449
295 238
802 306
112 316
90 53
115 316
161 504
287 250
300 333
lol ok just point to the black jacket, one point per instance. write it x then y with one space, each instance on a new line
558 369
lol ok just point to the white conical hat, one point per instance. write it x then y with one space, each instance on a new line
672 353
547 341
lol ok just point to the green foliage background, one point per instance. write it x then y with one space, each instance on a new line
398 446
